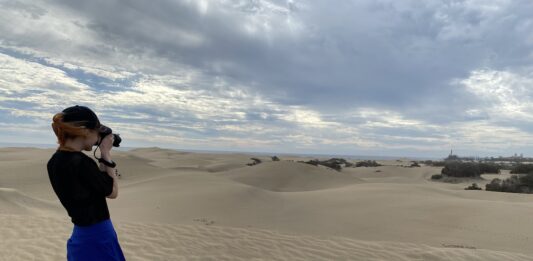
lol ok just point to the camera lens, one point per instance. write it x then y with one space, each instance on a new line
103 131
117 140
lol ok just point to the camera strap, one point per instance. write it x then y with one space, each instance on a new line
111 164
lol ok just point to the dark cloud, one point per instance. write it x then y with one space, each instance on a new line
391 54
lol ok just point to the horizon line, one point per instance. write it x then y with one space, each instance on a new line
354 156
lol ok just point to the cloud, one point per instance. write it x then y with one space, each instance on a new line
154 109
352 76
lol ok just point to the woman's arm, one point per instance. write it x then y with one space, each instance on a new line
112 173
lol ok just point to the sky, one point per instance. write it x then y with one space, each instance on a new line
365 77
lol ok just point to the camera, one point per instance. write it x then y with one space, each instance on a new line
104 131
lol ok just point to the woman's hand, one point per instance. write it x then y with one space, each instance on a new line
107 144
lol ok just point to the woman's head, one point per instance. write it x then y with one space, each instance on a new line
76 127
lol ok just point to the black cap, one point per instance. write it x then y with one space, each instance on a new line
82 114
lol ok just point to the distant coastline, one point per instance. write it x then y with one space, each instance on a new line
362 157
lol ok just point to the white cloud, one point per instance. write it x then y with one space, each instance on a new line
45 87
505 95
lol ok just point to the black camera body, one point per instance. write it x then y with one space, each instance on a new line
104 131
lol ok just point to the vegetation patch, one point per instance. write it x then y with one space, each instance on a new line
367 163
468 169
514 184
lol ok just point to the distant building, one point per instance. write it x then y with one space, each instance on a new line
451 156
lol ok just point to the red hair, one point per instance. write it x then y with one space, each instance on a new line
67 130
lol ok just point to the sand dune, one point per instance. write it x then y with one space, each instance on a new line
289 176
195 206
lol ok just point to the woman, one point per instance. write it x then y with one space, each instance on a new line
82 186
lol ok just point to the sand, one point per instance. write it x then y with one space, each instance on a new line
198 206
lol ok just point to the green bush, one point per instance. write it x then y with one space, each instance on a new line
256 161
468 169
494 185
526 180
367 163
522 169
461 169
490 168
474 186
436 176
507 166
438 164
514 184
433 163
334 163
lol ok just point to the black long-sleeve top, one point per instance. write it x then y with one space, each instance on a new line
81 186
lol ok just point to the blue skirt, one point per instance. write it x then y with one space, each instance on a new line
98 241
